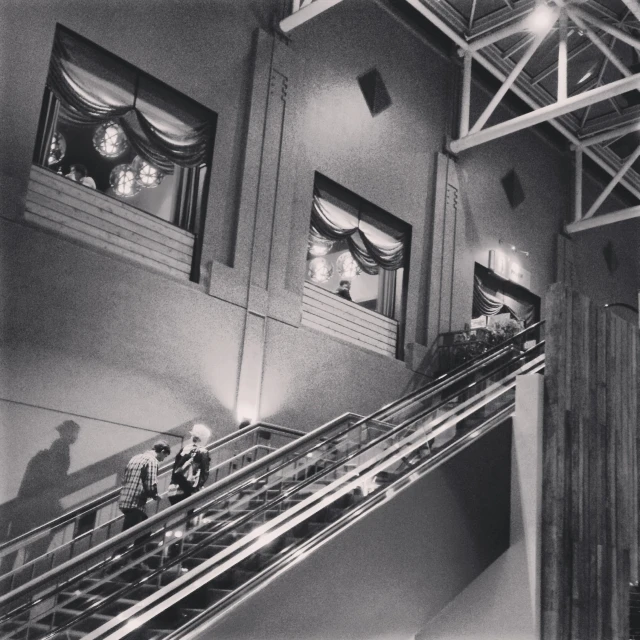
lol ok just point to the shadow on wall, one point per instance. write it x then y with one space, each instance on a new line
47 489
43 485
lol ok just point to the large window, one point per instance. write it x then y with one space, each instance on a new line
110 127
356 250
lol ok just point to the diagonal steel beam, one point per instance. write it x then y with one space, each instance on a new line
634 7
546 72
500 34
601 46
628 163
604 219
547 113
605 26
511 78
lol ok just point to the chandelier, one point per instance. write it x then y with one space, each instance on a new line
146 174
57 148
347 266
123 181
320 270
109 140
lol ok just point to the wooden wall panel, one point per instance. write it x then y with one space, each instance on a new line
91 217
590 473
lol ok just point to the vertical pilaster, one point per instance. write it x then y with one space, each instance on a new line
264 181
446 250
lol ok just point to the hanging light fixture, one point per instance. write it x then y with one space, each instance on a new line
320 270
109 140
146 174
318 246
123 181
57 148
347 266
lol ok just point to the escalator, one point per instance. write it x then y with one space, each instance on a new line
31 554
179 571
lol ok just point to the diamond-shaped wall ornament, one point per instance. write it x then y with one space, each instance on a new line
513 189
374 91
610 257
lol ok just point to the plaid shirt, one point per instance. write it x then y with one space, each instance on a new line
140 481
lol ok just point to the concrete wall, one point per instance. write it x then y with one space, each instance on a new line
87 333
387 574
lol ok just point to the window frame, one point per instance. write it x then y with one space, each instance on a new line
193 182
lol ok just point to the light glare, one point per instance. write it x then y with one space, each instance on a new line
541 19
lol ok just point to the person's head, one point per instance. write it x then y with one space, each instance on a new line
77 172
200 434
345 284
68 431
162 449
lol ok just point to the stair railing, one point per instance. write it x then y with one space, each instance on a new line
264 534
105 515
154 521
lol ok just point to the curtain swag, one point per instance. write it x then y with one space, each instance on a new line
369 255
87 101
488 303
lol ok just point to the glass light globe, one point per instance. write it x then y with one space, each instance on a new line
109 140
57 148
320 270
123 181
347 266
318 246
146 174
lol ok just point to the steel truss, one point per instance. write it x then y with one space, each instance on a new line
477 37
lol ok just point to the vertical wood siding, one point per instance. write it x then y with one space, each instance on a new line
590 471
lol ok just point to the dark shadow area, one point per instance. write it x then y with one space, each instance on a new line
44 484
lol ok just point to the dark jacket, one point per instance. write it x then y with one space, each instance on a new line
190 470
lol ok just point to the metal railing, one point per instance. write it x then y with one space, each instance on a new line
79 529
331 449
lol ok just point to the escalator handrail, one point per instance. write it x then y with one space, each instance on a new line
131 534
283 497
369 503
439 382
463 368
135 532
272 503
110 495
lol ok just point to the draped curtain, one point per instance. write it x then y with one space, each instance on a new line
161 126
489 303
370 248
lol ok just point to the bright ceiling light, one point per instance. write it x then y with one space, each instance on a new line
541 19
585 77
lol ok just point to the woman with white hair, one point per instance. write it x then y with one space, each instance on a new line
191 466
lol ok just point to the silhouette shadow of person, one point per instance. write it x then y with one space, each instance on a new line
41 489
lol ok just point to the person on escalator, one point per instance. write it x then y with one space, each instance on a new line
191 466
140 484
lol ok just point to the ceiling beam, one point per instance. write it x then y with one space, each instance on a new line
305 13
610 135
500 34
547 113
605 26
601 46
491 61
511 78
604 219
634 7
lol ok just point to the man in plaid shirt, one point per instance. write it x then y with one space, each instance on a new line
141 483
